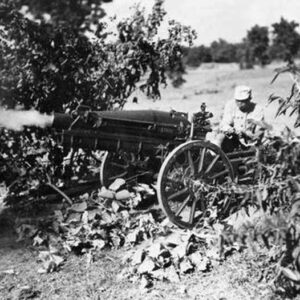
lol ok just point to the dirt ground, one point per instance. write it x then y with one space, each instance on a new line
236 278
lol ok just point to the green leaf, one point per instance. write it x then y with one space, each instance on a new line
272 98
79 207
281 108
292 275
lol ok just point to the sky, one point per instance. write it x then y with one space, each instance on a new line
214 19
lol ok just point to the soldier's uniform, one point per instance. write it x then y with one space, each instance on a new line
234 118
240 116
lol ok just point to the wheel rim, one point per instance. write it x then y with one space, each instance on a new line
184 178
112 167
126 166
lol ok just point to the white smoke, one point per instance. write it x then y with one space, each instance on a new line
17 119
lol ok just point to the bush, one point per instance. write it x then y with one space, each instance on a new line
52 66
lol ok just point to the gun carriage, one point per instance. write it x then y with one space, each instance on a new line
156 146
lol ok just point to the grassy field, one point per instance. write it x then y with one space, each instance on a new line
214 84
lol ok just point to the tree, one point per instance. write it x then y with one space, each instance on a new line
286 41
75 13
257 41
194 56
53 66
291 103
222 51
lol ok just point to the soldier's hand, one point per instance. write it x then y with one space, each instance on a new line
253 136
230 131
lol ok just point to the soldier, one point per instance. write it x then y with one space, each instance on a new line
243 120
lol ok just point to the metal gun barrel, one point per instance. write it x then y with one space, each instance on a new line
136 131
61 121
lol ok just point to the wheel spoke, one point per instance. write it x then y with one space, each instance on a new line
215 176
187 166
202 204
183 205
193 210
114 164
201 161
212 164
122 175
177 194
169 179
191 162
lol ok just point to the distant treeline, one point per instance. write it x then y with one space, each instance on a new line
260 46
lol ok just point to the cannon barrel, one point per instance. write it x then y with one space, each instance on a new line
137 131
61 121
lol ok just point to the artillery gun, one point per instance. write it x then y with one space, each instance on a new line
163 147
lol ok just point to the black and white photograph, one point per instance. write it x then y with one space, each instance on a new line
149 149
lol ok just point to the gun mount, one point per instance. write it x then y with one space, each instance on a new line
163 146
140 131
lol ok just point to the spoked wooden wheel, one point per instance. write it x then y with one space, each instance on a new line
112 167
185 177
128 166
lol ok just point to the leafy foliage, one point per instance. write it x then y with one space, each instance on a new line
52 66
291 102
78 14
258 42
98 221
286 42
255 48
62 68
194 56
223 51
